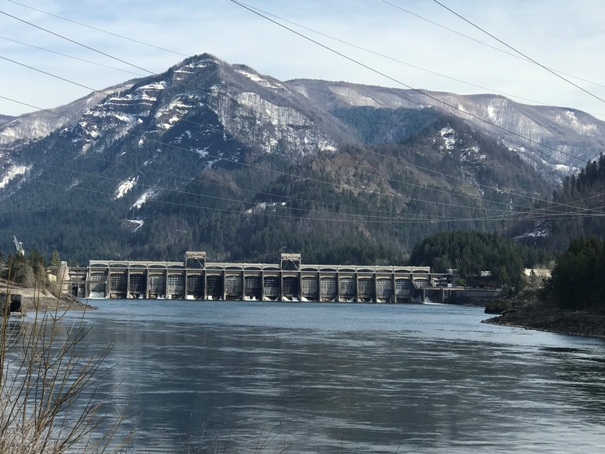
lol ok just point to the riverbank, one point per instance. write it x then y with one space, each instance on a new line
531 313
34 299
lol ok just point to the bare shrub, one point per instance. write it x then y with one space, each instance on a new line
49 387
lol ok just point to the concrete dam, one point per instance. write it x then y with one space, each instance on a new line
196 278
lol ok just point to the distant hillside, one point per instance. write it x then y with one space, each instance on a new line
576 211
5 118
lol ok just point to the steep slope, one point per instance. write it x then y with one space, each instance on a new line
39 124
576 210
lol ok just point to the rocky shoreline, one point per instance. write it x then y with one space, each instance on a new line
34 299
530 313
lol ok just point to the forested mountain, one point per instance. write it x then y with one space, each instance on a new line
576 210
216 157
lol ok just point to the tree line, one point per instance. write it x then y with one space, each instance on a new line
578 278
472 253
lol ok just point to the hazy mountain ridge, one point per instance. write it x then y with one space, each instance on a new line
215 156
570 137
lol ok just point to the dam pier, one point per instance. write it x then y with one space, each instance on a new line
196 278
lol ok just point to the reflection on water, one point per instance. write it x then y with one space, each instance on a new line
347 378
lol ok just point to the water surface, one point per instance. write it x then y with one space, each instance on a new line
353 378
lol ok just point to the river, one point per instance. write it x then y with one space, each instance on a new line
205 376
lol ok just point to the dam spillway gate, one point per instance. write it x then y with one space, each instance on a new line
289 280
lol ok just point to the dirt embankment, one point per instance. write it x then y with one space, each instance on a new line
34 299
531 313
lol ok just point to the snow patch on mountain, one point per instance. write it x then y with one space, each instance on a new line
570 120
166 117
264 206
541 230
354 98
449 138
184 71
135 224
259 80
13 172
148 195
125 187
273 128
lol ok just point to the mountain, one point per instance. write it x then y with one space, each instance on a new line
213 156
555 141
5 118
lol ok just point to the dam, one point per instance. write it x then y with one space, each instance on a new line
196 278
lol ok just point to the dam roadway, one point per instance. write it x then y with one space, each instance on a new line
289 280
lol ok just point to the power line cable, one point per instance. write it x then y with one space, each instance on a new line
407 183
100 30
46 73
396 60
483 43
255 11
70 56
77 43
554 73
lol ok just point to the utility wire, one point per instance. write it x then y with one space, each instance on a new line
70 56
483 43
49 74
257 12
408 199
554 73
378 54
77 43
368 150
100 30
247 108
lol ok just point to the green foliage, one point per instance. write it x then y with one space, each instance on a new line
575 210
473 252
578 279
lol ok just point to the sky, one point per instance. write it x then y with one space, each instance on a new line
55 51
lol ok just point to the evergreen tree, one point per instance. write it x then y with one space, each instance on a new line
577 281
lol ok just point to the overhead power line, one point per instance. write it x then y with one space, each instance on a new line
77 43
143 43
498 213
261 113
554 73
70 56
495 216
484 43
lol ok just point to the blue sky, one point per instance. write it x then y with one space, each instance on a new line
421 45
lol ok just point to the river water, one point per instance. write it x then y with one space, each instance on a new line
345 378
